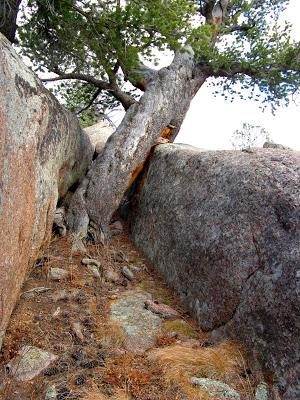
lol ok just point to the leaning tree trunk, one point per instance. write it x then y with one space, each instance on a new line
165 103
8 18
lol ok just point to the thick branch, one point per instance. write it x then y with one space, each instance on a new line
81 77
125 99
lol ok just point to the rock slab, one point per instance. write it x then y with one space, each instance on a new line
43 152
223 227
29 363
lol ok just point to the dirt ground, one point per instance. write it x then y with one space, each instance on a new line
94 363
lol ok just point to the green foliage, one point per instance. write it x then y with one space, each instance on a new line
249 136
96 37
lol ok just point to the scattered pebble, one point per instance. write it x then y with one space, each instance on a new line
119 256
111 276
163 310
262 392
216 388
116 228
134 268
30 293
51 393
60 295
90 261
29 362
128 273
56 312
94 271
77 330
57 274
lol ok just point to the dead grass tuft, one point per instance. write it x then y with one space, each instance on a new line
95 394
180 327
179 363
110 335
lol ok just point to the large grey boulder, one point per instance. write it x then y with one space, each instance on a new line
43 152
223 228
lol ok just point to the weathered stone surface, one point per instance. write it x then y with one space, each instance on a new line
43 152
90 261
224 230
30 362
98 134
216 388
138 345
128 273
57 274
262 392
162 310
140 325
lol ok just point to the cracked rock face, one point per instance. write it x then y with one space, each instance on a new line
40 145
223 227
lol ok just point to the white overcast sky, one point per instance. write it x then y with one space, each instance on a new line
211 120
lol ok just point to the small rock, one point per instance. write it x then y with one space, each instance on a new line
134 268
90 261
116 228
56 312
57 274
77 329
30 293
51 393
262 392
127 273
77 245
94 271
111 276
29 362
119 256
162 310
60 295
138 345
216 388
59 221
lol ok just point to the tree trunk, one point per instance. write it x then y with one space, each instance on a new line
165 103
8 18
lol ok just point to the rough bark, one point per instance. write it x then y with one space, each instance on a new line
43 152
8 18
164 103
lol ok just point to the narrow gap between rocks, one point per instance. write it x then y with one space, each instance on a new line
104 325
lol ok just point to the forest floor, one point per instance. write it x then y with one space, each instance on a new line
105 343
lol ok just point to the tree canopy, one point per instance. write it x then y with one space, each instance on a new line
95 47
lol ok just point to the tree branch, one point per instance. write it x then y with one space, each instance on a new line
112 87
90 103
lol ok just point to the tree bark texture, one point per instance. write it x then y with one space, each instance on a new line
164 103
8 18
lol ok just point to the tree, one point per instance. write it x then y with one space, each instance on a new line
8 18
101 48
249 136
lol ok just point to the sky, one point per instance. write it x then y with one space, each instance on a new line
211 121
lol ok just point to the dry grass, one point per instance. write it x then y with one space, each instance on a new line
110 335
179 363
180 327
95 394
